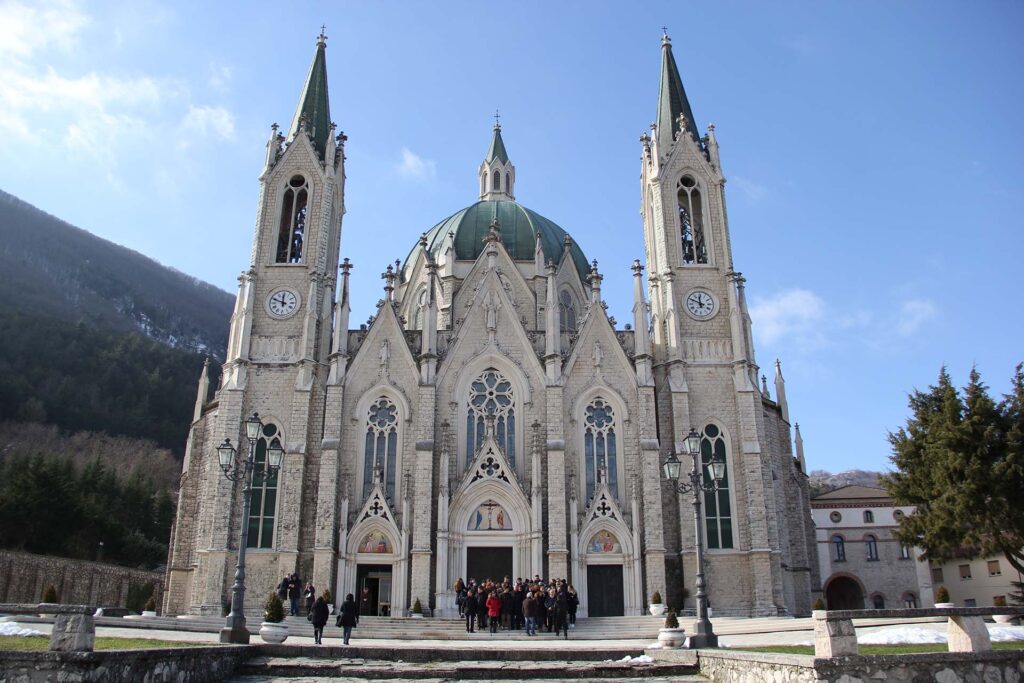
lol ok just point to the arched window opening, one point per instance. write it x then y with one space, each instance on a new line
717 508
484 188
417 310
600 450
491 394
871 545
878 601
910 600
566 312
839 546
508 182
381 453
263 507
691 222
497 181
291 234
869 517
904 551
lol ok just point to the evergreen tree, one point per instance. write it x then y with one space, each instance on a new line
959 462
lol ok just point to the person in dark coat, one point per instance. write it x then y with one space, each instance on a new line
348 617
310 594
469 609
573 603
294 593
318 615
282 588
481 608
561 621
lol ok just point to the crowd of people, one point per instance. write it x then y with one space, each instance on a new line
529 605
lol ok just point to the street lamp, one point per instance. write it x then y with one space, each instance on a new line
235 630
703 635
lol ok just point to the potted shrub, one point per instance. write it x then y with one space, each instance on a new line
657 607
942 598
272 630
417 609
1000 601
818 605
329 599
671 635
150 608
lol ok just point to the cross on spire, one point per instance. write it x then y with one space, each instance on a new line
497 117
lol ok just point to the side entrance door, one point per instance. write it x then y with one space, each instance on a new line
604 590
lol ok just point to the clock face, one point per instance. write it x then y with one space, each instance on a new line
700 304
282 303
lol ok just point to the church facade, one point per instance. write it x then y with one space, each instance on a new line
491 420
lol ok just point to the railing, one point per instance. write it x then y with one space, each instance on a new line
835 636
73 626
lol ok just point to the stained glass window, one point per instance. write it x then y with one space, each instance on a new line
491 394
381 451
600 451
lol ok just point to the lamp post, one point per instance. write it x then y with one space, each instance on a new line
703 634
234 630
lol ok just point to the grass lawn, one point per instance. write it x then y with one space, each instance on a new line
877 649
42 643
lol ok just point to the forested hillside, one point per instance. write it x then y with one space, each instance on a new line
53 268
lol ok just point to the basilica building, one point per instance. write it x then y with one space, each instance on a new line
491 419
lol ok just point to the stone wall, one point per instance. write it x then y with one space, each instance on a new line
180 665
946 667
24 577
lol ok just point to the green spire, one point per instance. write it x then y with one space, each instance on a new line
672 100
313 105
497 148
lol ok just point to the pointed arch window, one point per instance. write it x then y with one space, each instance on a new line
508 182
292 231
381 452
417 309
691 221
491 394
717 507
497 180
566 312
600 447
263 507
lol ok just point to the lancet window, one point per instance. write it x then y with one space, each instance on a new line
566 312
491 394
263 509
292 231
691 221
381 453
497 180
717 507
600 446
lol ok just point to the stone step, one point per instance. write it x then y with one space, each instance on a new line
358 668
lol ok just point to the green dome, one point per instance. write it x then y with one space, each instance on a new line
519 227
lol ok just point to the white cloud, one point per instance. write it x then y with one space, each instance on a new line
797 314
28 27
753 191
220 76
206 120
913 314
414 166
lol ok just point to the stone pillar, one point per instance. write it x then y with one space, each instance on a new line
421 554
558 552
833 636
654 538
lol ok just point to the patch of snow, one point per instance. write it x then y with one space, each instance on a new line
11 628
899 635
1003 634
642 659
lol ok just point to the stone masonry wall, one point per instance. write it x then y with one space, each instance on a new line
24 577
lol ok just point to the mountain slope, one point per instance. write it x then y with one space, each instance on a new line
55 269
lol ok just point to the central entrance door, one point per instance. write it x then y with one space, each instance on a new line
373 581
489 563
604 590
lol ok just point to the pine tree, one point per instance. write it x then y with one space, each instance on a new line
959 462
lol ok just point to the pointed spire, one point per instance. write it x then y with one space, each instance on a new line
497 148
313 109
800 449
203 390
673 107
497 173
780 391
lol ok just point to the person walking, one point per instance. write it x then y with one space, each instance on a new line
318 614
494 611
294 593
310 594
348 617
469 609
561 613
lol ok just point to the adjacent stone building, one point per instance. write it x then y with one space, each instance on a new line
492 419
863 566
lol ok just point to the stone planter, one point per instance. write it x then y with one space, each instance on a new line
656 609
149 613
945 605
1003 618
416 615
273 633
671 638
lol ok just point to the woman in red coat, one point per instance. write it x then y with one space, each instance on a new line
494 610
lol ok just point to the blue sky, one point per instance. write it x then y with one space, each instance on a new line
873 153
